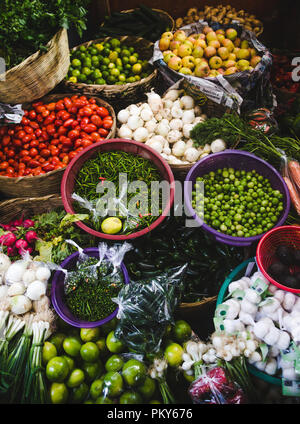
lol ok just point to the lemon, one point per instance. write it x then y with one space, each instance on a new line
112 225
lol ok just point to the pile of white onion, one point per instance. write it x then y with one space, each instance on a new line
23 282
164 123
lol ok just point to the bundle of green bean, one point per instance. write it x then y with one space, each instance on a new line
237 203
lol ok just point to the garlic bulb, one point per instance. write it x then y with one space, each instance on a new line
162 129
146 114
133 110
186 129
155 144
172 95
191 154
188 116
140 134
125 132
134 122
176 112
187 102
123 116
178 148
151 125
176 124
154 101
173 136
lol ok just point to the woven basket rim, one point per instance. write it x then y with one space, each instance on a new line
196 304
161 11
29 199
30 59
61 170
112 87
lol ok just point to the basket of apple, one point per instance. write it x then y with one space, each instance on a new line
208 53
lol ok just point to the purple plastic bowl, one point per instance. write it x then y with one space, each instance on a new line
57 291
238 160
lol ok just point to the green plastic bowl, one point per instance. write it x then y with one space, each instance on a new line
237 273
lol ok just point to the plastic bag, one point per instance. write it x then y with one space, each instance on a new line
10 114
146 307
247 90
213 387
290 171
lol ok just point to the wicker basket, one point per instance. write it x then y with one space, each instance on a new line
170 23
38 74
49 183
15 208
131 92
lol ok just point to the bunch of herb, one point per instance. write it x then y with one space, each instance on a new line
90 288
53 229
233 129
28 25
108 166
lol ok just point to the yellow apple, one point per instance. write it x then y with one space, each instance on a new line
243 54
210 51
167 34
186 71
229 44
211 36
231 34
223 53
242 64
201 43
215 62
215 43
202 70
232 56
175 63
231 70
174 44
164 43
244 44
229 63
179 35
188 62
197 51
184 50
207 29
255 60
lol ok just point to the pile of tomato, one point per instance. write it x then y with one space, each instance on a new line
52 134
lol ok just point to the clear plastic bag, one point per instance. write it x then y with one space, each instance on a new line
290 171
213 387
146 307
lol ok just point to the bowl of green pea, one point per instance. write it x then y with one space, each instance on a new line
236 197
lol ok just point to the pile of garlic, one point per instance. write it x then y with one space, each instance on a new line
164 123
24 282
271 320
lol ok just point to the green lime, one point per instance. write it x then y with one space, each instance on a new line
125 60
115 72
82 48
173 354
111 225
119 62
79 394
111 65
137 68
105 52
113 56
73 79
87 62
113 384
114 42
97 74
92 370
134 372
113 344
101 343
137 78
75 73
82 78
76 63
86 71
58 393
130 397
147 389
75 378
105 74
181 331
105 61
132 59
95 61
94 50
100 81
89 352
49 351
72 346
114 363
96 388
57 369
89 334
125 53
102 400
70 361
130 80
122 77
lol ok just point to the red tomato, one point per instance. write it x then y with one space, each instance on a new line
89 128
102 111
96 120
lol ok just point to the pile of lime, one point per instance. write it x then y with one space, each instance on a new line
111 62
86 365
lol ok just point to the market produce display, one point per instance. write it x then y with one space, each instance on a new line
51 134
208 53
201 305
141 22
111 62
223 15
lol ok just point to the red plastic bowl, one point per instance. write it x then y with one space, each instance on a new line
288 235
129 146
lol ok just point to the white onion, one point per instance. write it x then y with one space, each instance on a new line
43 273
188 116
162 129
36 290
154 101
146 114
125 132
178 148
155 144
176 112
133 110
16 289
20 304
151 125
176 124
191 154
186 129
168 104
140 134
187 102
172 95
173 136
218 145
134 122
123 116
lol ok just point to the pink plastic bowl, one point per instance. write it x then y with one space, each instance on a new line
129 146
